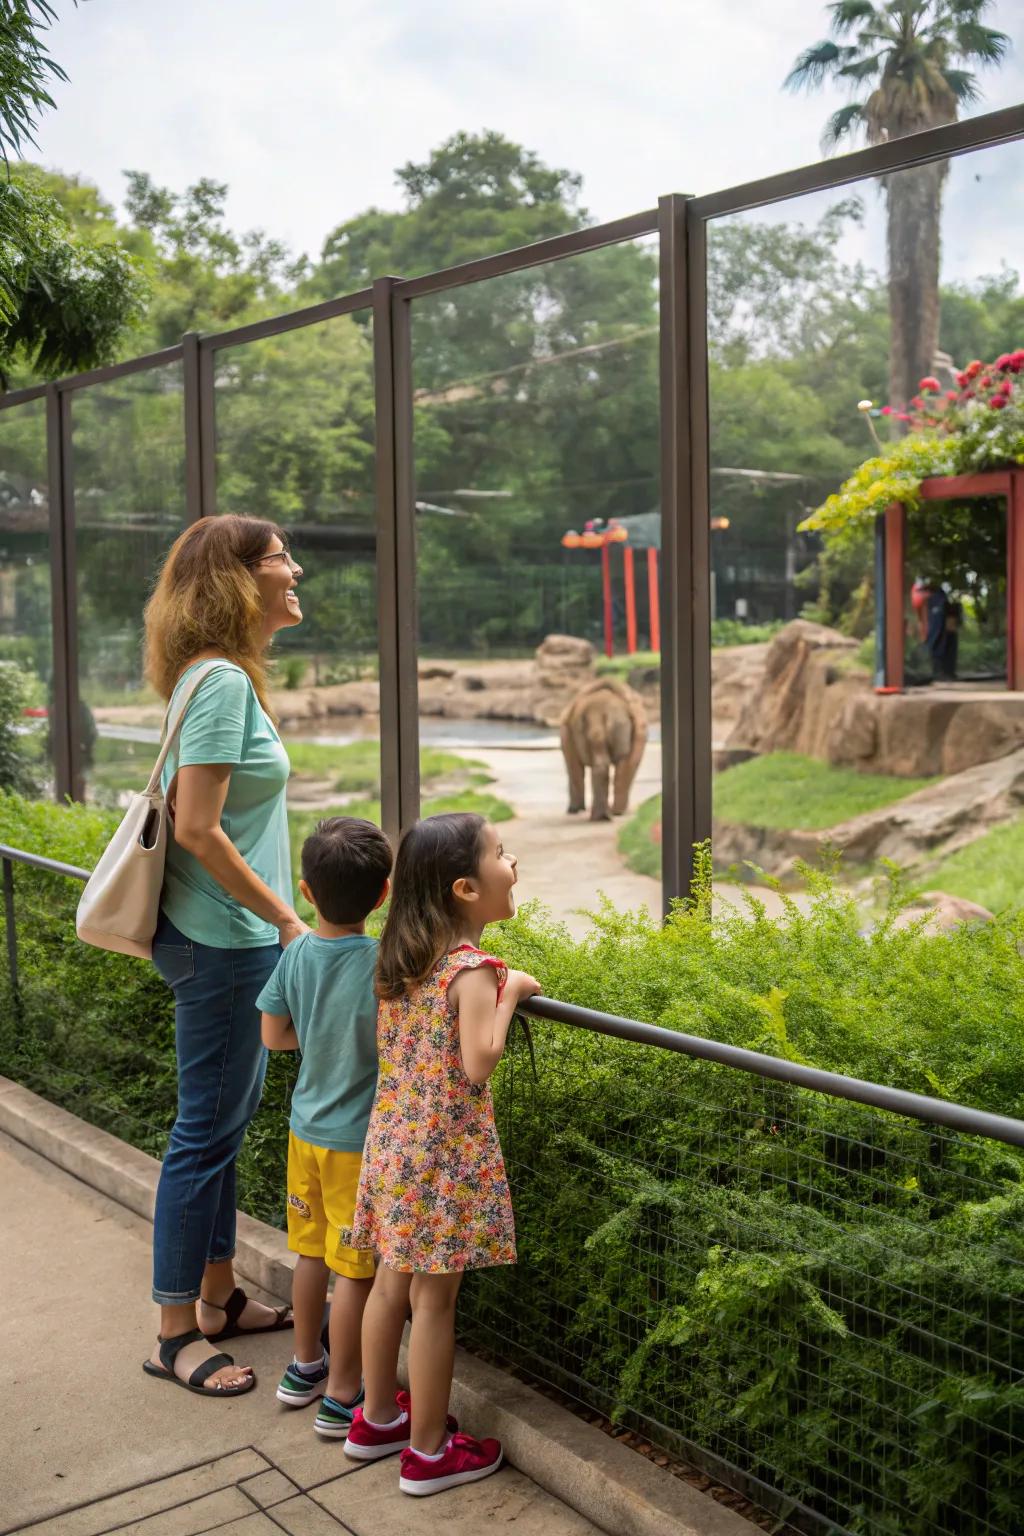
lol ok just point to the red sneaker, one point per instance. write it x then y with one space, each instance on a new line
465 1460
367 1442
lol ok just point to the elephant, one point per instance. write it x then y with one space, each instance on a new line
604 724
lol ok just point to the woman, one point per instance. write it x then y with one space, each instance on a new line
226 587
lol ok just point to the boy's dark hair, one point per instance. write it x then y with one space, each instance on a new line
345 863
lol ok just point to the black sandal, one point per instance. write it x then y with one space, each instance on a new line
233 1309
169 1352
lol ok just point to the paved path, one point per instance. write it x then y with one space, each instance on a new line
565 861
90 1445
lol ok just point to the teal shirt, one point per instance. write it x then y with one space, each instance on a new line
225 723
325 986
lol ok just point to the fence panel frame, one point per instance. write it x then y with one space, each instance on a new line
684 424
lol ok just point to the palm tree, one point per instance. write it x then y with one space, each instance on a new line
903 61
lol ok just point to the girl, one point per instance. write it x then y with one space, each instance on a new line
433 1197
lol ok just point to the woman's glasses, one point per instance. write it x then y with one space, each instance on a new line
279 557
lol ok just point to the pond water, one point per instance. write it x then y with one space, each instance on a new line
434 732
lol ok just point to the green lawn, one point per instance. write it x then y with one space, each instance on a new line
988 871
640 852
353 769
781 789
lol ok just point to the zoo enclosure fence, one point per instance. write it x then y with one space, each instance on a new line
680 225
807 1286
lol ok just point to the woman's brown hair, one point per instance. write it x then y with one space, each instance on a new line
206 597
423 917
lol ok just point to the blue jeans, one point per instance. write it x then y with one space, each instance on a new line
221 1066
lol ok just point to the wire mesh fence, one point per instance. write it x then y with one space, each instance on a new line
816 1303
819 1304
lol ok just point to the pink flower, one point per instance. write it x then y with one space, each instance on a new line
997 402
951 394
902 416
1003 362
973 369
928 383
886 410
917 401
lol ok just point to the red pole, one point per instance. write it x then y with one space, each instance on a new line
627 568
895 590
606 582
652 599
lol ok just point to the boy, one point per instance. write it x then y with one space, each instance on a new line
320 1000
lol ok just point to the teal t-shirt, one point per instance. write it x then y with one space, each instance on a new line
225 723
325 986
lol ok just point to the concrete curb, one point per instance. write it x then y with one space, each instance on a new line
607 1483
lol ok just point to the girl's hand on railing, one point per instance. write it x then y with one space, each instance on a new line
523 985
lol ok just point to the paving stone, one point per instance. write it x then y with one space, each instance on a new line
307 1459
372 1505
268 1488
205 1514
251 1525
153 1498
303 1517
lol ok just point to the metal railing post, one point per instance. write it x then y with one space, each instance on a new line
396 561
685 602
12 933
65 712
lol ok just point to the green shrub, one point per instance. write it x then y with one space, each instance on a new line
17 770
826 1296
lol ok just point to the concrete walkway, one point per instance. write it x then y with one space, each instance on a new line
89 1445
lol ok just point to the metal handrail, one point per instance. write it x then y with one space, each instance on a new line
900 1101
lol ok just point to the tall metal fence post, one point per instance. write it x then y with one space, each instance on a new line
200 427
65 712
396 560
12 933
686 569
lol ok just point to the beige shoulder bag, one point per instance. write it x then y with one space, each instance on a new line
121 901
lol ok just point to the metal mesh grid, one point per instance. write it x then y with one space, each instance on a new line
795 1293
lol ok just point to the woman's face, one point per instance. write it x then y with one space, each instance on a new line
277 575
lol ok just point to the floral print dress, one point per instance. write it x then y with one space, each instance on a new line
433 1196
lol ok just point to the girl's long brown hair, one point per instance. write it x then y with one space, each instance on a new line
205 597
423 917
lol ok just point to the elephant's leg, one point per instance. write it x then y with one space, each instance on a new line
625 773
599 792
574 768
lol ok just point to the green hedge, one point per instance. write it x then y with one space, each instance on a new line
825 1297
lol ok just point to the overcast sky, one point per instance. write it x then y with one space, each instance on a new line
305 108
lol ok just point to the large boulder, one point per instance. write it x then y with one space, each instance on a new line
814 699
784 713
943 912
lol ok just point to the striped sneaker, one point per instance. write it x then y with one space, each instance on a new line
296 1389
334 1419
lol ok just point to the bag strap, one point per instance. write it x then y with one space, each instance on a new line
170 735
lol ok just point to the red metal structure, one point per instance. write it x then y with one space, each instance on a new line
996 482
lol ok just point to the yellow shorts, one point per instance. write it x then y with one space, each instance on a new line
322 1187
